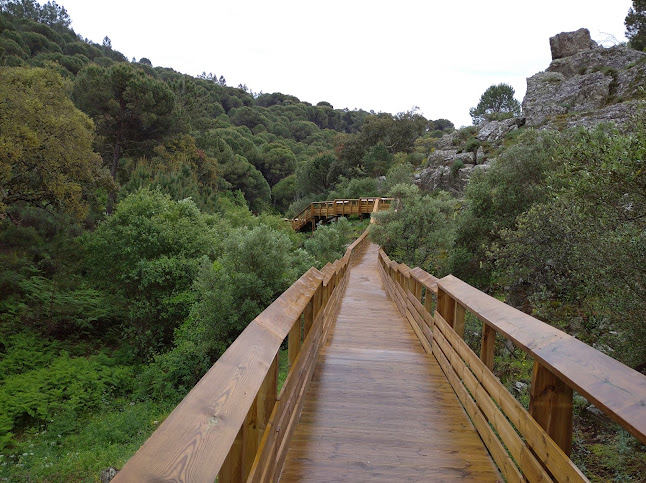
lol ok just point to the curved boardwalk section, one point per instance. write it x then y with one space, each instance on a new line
379 407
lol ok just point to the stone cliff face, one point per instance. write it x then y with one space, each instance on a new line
585 84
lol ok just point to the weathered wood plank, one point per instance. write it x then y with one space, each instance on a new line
556 461
550 404
379 407
613 387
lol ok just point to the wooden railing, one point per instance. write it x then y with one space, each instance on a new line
530 445
233 424
329 209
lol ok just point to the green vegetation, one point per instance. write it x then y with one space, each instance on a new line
496 103
555 227
141 229
636 25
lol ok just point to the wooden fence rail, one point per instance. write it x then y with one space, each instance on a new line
233 424
532 445
320 210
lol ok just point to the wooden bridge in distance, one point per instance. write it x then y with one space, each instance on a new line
382 387
326 210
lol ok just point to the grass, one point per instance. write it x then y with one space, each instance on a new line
79 449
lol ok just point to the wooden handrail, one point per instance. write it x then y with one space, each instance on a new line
613 387
339 207
232 424
561 364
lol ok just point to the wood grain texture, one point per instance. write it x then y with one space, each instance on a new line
614 388
378 407
550 404
194 440
549 453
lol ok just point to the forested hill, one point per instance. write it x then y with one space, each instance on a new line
138 206
142 228
152 122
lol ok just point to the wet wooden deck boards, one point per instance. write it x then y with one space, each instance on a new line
379 408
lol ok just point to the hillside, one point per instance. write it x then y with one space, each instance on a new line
142 226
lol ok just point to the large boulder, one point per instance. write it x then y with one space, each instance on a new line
494 131
447 178
550 94
583 83
569 43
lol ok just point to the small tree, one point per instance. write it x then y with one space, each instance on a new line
497 102
636 24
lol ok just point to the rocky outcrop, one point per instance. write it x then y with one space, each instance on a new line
569 43
495 131
446 178
585 84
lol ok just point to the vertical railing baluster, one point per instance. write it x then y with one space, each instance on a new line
550 405
487 345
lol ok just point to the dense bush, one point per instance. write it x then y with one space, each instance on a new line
418 229
145 258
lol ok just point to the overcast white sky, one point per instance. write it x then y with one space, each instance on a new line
385 56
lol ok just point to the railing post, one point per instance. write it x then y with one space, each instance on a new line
418 289
428 300
250 440
487 345
459 316
445 306
317 301
309 317
550 405
232 467
294 343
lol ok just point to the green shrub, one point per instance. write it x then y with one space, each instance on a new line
12 48
471 145
43 385
456 167
329 242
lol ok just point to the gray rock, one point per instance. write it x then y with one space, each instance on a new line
618 114
617 57
108 474
448 141
585 87
569 43
550 94
496 130
480 155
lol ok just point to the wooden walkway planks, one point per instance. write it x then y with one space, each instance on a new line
379 407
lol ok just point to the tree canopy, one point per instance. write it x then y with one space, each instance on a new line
46 154
636 25
496 103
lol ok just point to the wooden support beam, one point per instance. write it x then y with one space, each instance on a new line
309 318
232 467
445 306
458 322
250 440
294 343
428 300
487 345
550 405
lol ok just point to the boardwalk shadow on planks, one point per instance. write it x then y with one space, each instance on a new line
379 408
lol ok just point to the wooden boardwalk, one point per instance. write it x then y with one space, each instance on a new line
378 407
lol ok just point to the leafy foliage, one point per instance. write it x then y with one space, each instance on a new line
46 152
146 257
584 246
636 25
328 243
417 230
496 103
